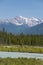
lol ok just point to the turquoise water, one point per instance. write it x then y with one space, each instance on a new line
20 55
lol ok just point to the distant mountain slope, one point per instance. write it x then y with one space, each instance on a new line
38 29
14 28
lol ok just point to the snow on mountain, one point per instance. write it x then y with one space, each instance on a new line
4 21
20 20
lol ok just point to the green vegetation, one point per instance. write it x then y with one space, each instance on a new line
20 61
12 39
19 48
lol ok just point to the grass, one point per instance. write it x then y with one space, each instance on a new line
18 48
20 61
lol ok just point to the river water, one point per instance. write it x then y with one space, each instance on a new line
20 55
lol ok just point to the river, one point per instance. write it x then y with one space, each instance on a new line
20 55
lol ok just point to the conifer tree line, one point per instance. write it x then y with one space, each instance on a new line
12 39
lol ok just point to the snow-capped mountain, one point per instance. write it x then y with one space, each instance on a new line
19 20
21 24
29 21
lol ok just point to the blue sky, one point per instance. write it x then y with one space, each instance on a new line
26 8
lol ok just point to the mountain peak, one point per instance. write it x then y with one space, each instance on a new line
34 18
21 16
